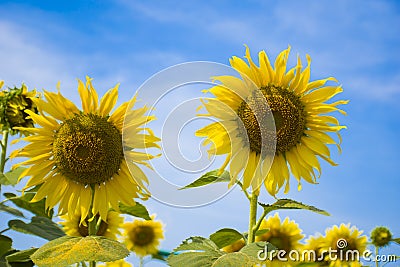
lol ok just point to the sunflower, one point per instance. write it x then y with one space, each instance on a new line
269 119
13 102
143 237
77 155
381 236
344 245
284 236
110 229
311 251
118 263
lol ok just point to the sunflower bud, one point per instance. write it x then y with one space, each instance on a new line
381 236
13 103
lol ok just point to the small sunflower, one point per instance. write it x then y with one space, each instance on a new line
300 116
76 155
143 237
284 235
108 228
13 103
381 236
347 246
118 263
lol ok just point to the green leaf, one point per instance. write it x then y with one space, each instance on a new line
38 208
5 244
21 256
233 260
291 204
11 177
226 236
248 256
258 249
39 226
397 240
138 210
10 210
68 250
209 178
261 232
195 252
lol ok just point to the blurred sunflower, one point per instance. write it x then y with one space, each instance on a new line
108 228
143 237
312 252
13 103
77 155
346 242
284 235
118 263
297 105
381 236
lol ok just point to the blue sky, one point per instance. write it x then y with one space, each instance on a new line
43 42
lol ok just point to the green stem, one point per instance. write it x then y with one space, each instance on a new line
252 217
258 224
4 142
141 262
244 190
5 230
376 254
92 224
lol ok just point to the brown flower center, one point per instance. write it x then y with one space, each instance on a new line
142 235
288 113
88 149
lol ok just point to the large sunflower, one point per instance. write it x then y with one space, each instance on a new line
298 108
110 229
346 244
79 154
143 237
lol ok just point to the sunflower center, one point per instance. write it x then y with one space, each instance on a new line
88 149
142 235
289 116
84 230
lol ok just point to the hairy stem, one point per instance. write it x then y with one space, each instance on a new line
257 226
92 223
252 217
4 142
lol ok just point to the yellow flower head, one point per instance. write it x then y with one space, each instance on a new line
13 103
311 251
346 245
381 236
79 154
284 235
143 237
118 263
109 228
245 132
